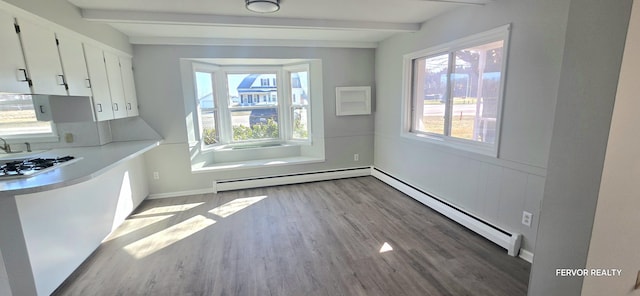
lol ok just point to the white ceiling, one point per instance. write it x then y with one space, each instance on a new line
349 23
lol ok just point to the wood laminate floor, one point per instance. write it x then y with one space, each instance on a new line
353 236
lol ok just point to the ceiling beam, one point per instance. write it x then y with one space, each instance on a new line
142 17
249 42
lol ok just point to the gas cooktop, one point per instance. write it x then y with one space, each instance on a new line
25 168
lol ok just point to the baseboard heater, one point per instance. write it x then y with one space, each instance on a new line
244 183
509 241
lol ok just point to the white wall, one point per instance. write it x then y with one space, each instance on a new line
594 45
4 279
160 95
495 189
65 14
614 240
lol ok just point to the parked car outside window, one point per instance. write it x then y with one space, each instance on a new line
262 116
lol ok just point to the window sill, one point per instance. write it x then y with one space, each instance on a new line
254 145
250 156
464 145
252 164
19 139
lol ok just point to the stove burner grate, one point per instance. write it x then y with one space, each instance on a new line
28 166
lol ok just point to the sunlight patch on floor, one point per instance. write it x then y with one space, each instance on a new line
166 237
386 247
168 209
131 225
235 206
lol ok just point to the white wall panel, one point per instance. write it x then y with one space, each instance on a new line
4 279
495 189
512 194
56 223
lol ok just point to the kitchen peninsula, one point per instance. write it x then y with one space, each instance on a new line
51 222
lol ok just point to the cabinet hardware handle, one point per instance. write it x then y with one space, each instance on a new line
99 107
24 74
128 106
115 105
61 80
88 83
41 109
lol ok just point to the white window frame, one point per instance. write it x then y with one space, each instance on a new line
213 69
497 34
223 108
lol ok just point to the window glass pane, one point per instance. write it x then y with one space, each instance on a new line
475 91
429 93
254 124
252 89
18 117
300 102
300 88
204 86
300 117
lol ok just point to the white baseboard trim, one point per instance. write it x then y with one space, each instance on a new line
180 193
509 241
234 184
526 255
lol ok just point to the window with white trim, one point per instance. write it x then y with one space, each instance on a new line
252 104
18 118
454 92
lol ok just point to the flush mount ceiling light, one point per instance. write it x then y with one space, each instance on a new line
263 6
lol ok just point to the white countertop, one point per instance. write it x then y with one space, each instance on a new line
95 161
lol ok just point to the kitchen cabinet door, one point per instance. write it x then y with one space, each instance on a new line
74 65
42 106
129 86
114 76
99 82
42 58
13 72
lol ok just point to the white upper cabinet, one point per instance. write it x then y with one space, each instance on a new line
42 58
99 82
74 65
13 72
130 97
114 76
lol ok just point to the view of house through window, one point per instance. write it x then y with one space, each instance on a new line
457 93
18 117
249 104
253 106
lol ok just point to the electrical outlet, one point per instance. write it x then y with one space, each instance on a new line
356 157
526 218
68 137
156 176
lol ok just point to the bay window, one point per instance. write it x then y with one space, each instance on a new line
255 105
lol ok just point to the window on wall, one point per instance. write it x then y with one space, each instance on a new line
454 92
18 118
252 104
299 112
